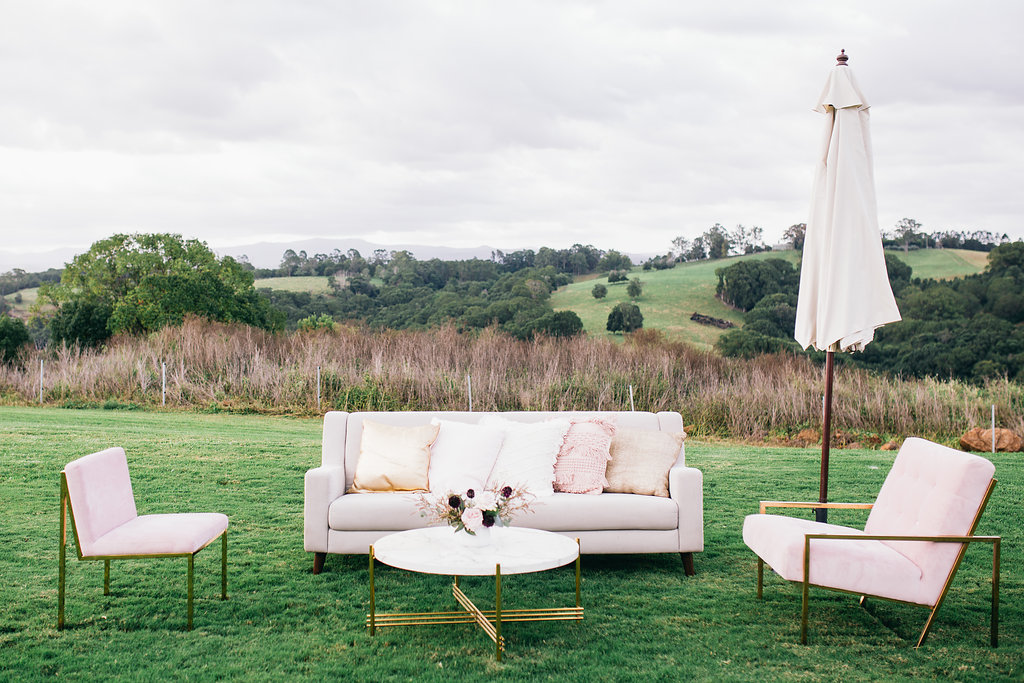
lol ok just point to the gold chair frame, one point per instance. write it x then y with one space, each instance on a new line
66 511
805 584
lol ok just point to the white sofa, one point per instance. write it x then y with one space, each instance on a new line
348 523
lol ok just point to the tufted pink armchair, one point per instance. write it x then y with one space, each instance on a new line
97 492
911 546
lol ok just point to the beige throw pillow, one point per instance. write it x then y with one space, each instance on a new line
393 458
641 460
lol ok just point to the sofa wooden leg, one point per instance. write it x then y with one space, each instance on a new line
318 562
688 563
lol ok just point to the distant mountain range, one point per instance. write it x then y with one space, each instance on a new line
268 254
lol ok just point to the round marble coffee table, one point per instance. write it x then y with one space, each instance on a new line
439 550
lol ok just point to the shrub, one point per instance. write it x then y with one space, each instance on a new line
625 317
316 322
599 291
13 336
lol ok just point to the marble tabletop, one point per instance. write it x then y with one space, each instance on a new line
441 550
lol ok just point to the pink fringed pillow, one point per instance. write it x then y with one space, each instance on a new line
583 458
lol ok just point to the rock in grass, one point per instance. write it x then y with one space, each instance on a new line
979 439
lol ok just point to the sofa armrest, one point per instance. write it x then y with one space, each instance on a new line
324 485
686 487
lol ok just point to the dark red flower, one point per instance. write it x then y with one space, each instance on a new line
507 491
455 502
470 493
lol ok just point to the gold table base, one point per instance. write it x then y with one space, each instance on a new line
488 620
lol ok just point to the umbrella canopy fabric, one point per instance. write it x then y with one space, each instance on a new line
844 286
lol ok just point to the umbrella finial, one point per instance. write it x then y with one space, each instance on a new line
842 58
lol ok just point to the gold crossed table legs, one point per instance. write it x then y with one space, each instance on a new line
490 621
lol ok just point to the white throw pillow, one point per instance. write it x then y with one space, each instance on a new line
527 457
462 456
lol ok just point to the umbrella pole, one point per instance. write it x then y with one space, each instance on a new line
821 514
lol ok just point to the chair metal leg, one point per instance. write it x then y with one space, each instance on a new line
106 577
62 561
806 590
191 566
224 566
994 637
760 577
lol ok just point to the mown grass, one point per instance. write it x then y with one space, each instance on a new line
644 619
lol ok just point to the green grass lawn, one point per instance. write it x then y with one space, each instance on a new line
644 619
314 284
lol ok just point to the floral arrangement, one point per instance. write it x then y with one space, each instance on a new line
472 510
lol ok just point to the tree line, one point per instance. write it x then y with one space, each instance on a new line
968 328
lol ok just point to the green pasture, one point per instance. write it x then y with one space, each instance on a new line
645 620
942 264
668 300
671 296
28 299
314 284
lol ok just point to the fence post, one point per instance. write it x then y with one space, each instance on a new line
163 384
469 386
318 388
631 407
40 381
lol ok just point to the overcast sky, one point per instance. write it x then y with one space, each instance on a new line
620 124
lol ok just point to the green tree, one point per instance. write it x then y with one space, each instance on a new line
625 317
13 336
635 288
1006 256
795 235
906 231
744 283
899 273
149 280
559 324
599 291
613 260
717 240
84 322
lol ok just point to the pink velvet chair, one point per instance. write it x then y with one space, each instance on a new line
911 546
97 492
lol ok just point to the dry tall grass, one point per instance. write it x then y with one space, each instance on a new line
222 367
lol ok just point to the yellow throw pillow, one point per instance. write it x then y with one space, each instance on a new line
393 458
641 460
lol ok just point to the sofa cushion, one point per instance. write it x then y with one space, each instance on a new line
375 512
393 458
462 456
640 461
527 456
583 458
571 512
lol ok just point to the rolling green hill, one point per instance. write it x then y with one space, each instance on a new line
942 264
670 297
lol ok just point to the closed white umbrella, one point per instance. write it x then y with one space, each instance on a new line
844 286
